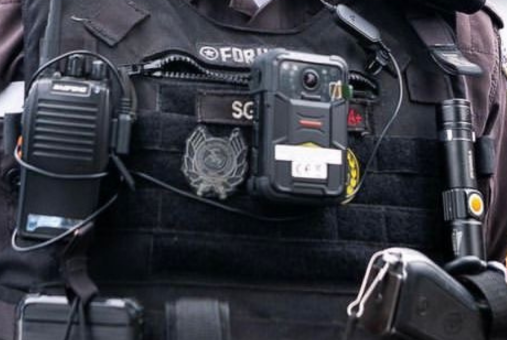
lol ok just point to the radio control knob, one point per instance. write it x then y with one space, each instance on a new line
99 70
75 66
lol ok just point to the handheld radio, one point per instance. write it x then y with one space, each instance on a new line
69 134
65 148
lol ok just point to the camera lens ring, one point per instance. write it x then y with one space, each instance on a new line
310 79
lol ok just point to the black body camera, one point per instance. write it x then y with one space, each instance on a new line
66 139
300 127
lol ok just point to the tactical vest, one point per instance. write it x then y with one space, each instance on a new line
155 244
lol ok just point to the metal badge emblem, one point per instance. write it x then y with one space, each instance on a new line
214 166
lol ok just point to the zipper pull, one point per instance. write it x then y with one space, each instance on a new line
146 68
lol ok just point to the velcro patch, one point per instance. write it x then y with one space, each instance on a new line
237 108
358 117
225 107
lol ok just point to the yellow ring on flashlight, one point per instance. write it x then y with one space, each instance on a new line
476 204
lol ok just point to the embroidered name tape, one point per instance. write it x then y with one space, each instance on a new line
225 107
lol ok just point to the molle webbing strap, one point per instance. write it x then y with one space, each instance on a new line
7 317
75 267
197 319
9 169
485 155
9 300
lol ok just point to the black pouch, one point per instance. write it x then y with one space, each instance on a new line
42 317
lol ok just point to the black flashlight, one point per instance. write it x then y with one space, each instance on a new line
464 206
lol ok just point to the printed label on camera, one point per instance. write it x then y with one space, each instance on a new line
308 162
309 170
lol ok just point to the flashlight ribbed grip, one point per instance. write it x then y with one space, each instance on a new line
455 206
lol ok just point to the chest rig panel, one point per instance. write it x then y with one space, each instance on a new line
154 234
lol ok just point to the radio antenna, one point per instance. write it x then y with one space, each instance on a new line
50 47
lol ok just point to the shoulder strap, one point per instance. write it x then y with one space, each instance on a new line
492 286
440 39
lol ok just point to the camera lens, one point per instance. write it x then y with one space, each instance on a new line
310 79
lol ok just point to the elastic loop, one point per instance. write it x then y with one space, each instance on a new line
46 173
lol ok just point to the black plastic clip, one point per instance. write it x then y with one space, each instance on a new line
368 36
451 60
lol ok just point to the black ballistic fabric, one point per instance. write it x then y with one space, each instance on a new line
152 235
9 299
7 192
7 313
152 225
17 271
257 311
99 24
